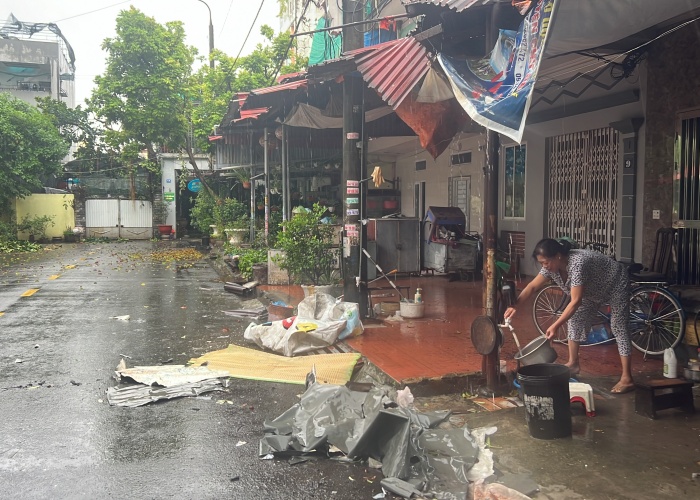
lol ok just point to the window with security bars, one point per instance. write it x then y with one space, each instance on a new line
514 182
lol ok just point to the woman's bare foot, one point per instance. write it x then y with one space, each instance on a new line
623 386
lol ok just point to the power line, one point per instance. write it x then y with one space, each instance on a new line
92 11
291 41
233 66
226 18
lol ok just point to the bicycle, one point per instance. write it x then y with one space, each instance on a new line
657 319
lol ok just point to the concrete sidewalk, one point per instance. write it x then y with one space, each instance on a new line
615 454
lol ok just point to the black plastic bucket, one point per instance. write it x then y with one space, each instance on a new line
545 393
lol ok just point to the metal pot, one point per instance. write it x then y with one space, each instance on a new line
538 351
693 375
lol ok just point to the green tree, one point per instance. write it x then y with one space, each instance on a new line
30 149
77 127
212 89
142 99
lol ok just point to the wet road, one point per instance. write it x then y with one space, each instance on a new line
59 438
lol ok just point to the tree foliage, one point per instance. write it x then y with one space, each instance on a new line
31 148
77 127
142 98
212 89
308 248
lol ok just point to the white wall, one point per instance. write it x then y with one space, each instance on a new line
437 175
169 163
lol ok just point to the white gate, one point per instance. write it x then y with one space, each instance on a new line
115 218
582 195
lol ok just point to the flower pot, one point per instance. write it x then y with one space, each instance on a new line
165 229
246 184
236 236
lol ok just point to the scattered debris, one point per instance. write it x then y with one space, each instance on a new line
126 317
168 375
404 398
417 457
139 395
75 383
18 360
319 323
257 313
241 362
240 289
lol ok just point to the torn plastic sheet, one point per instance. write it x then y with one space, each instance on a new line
168 375
436 462
139 395
319 323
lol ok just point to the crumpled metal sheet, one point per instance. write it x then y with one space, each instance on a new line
169 375
139 395
363 425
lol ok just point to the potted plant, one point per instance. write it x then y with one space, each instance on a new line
309 254
160 215
232 215
243 175
69 236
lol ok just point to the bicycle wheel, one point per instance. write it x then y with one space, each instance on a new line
548 306
657 320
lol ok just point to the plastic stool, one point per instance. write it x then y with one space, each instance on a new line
582 393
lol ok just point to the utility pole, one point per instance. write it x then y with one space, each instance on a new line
211 36
353 154
491 361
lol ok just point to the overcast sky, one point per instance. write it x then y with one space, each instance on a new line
86 23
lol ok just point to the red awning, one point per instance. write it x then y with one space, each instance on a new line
251 114
394 68
279 88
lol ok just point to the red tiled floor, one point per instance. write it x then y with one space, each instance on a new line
439 345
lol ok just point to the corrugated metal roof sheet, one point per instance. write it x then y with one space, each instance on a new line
251 114
458 5
279 88
393 68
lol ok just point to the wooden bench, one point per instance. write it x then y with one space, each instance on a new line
661 394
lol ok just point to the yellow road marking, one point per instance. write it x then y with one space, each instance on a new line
54 276
2 313
29 292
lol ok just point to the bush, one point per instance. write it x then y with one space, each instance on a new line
247 258
36 225
230 213
202 213
308 247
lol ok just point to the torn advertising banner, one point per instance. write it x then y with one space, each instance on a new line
496 91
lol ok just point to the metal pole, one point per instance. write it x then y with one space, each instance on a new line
285 173
267 186
491 361
211 36
353 118
252 206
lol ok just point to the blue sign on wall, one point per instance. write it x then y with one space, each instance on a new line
194 185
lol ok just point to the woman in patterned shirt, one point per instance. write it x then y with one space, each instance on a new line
590 279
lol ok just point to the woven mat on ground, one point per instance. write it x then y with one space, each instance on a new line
241 362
